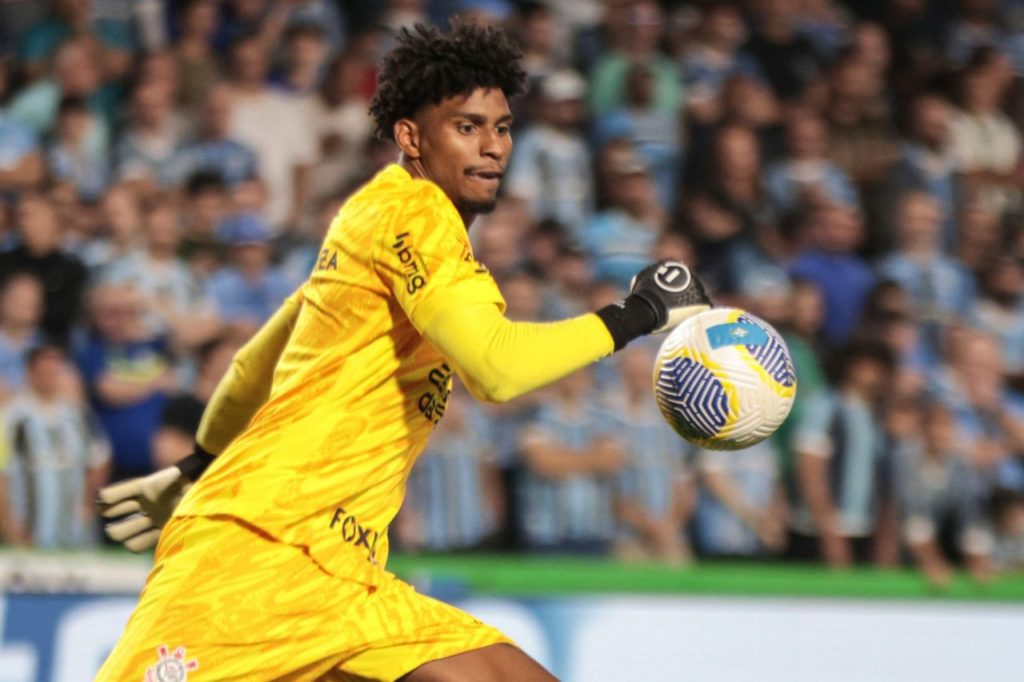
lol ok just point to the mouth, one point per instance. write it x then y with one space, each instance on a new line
485 175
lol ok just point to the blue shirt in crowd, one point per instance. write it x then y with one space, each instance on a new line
574 509
241 300
129 427
845 281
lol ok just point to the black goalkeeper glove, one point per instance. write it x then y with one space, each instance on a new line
146 503
660 297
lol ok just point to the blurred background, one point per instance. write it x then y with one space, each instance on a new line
849 171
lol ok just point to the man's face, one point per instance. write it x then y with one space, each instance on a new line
464 145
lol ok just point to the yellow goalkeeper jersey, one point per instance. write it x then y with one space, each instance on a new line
357 391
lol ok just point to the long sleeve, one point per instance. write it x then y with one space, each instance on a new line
246 385
499 360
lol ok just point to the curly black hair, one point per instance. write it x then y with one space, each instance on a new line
427 66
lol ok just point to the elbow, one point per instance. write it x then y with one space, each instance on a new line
491 391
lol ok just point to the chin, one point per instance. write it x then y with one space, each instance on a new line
476 206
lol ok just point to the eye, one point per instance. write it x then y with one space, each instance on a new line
465 128
504 130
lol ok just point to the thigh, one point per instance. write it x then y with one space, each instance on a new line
234 604
495 663
405 630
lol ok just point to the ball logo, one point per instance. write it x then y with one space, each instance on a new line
673 277
172 667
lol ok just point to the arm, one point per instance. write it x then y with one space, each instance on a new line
553 460
116 391
246 385
927 555
149 501
812 470
29 171
499 360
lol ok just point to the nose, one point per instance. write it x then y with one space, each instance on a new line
493 145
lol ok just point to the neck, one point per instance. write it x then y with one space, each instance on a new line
17 332
249 87
416 169
159 253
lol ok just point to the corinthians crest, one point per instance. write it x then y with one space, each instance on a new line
172 667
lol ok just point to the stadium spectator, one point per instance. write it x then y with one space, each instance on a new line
342 125
199 65
55 462
980 237
1008 515
742 507
249 289
926 164
655 134
175 307
72 157
831 236
120 223
1000 310
39 253
712 57
65 20
21 162
284 152
608 79
975 25
455 497
938 500
620 238
989 417
127 375
302 65
174 437
655 493
498 239
805 174
206 205
76 74
571 461
214 151
21 310
539 35
986 144
551 166
155 133
571 286
942 290
826 25
785 58
863 141
729 214
841 450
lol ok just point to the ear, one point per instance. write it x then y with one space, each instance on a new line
407 136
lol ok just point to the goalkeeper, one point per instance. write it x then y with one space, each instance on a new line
272 566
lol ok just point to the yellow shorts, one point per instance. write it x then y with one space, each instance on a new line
226 602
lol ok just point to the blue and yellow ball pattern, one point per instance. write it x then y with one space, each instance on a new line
724 379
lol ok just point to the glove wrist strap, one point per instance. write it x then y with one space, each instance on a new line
628 320
193 466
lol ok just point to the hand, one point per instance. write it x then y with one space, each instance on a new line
15 535
771 531
836 550
672 291
148 503
939 574
606 458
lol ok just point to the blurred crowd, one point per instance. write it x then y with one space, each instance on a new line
849 171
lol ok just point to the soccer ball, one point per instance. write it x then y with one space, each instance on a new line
724 379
